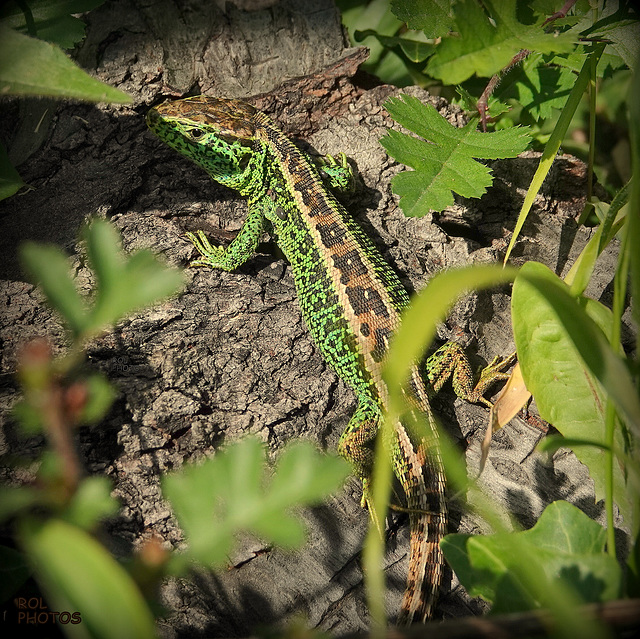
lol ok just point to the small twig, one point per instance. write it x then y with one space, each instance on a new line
560 14
59 406
483 101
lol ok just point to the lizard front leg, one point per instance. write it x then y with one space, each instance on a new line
239 251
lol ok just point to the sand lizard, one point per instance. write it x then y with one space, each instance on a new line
350 298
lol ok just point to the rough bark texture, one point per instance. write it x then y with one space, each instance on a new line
230 355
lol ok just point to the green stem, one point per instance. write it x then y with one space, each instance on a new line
608 488
592 125
555 140
28 18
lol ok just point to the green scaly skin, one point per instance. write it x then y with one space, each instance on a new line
350 299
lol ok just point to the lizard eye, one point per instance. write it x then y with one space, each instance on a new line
196 134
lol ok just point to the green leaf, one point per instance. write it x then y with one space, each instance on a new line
124 283
619 24
614 218
100 396
28 416
538 87
10 180
415 50
487 42
91 503
52 21
447 161
434 17
553 145
14 499
49 267
231 492
563 552
32 67
566 361
78 575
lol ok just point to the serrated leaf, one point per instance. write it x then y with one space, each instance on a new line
233 492
446 161
434 17
566 361
521 571
124 283
49 267
33 67
77 574
487 42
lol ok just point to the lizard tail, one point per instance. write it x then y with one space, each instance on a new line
422 476
426 566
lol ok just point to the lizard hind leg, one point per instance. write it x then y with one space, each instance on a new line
450 361
357 443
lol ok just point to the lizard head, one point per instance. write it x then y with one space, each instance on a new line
217 134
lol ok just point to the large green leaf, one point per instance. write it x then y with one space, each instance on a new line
562 554
445 161
566 362
78 575
487 42
32 67
52 20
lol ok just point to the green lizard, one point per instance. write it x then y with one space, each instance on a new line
350 298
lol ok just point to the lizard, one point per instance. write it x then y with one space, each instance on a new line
351 301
